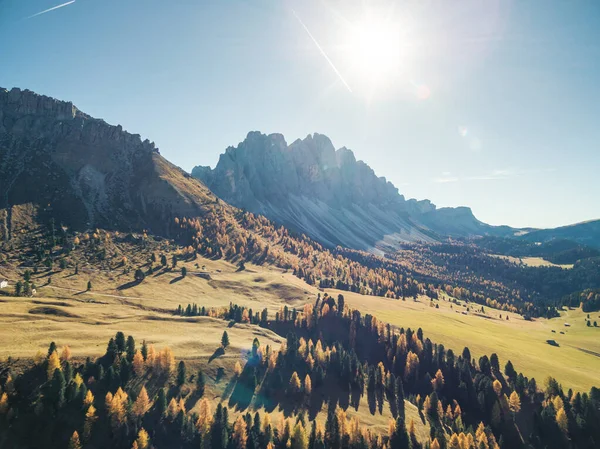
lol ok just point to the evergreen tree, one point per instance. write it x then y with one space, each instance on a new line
130 348
200 382
225 340
181 373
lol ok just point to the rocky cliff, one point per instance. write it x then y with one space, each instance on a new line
327 194
85 172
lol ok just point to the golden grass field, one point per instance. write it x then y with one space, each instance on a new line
532 261
65 313
575 363
68 315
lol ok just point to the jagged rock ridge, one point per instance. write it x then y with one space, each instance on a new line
86 172
326 193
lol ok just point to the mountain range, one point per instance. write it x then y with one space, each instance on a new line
87 173
327 194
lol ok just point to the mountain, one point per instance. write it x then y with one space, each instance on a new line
85 172
311 187
585 233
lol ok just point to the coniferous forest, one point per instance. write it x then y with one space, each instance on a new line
333 360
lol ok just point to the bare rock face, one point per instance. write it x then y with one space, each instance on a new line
81 170
311 187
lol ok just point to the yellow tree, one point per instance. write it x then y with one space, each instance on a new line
438 381
299 437
53 364
143 440
237 369
497 387
65 354
294 383
74 442
435 444
90 419
89 399
514 402
117 408
240 435
138 363
204 422
141 404
4 403
307 385
562 421
454 443
172 409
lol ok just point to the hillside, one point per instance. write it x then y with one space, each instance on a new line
311 187
85 173
586 233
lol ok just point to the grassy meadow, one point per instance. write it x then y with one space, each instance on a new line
575 362
66 313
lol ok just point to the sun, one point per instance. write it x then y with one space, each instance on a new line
376 50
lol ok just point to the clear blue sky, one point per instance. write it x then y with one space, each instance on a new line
491 104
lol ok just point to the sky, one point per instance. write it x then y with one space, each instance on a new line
489 104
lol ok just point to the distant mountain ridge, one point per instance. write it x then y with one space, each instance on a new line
311 187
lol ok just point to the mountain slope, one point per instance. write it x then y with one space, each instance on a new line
85 172
329 195
586 233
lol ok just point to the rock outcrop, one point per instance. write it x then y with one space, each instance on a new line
311 187
85 172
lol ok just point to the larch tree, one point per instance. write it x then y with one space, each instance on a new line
497 387
74 442
138 363
299 439
438 381
307 385
141 404
65 354
53 364
562 421
435 444
237 369
90 419
89 399
143 439
514 402
240 434
4 403
294 383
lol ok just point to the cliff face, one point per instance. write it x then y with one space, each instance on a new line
85 172
326 193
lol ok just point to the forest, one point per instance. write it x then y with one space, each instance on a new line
134 397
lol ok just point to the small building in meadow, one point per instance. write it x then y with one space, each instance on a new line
3 283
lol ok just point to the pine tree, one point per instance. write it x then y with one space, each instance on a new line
181 376
130 348
200 382
225 340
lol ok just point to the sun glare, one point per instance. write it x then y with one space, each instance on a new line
376 50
